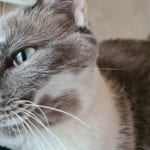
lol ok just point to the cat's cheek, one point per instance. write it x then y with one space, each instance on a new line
57 109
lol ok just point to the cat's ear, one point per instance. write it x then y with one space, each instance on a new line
77 8
80 12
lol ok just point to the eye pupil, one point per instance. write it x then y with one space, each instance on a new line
24 56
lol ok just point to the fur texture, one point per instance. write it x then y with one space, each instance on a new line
60 98
130 70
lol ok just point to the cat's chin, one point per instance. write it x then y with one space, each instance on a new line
11 136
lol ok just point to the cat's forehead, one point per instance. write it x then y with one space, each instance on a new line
27 27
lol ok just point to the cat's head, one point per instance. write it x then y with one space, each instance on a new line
47 54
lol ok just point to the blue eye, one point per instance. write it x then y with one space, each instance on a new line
23 56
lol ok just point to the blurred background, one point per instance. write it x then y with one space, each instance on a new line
119 18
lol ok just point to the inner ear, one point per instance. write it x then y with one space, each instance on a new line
76 7
80 12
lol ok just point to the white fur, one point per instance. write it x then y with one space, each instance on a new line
13 143
98 111
80 12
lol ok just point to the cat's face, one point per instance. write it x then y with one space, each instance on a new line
43 58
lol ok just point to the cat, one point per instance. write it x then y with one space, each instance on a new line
62 90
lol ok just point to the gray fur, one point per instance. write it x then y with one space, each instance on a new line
61 46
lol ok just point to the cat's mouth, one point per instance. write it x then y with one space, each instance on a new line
20 119
11 135
8 121
24 115
12 120
11 130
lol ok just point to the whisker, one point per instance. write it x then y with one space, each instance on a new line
26 135
44 115
18 131
47 129
36 138
24 127
54 109
39 132
7 122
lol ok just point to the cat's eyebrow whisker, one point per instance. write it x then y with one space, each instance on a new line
34 117
36 138
53 109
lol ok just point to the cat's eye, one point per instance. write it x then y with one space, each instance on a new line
23 56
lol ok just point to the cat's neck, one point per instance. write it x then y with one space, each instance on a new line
99 113
102 114
100 123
